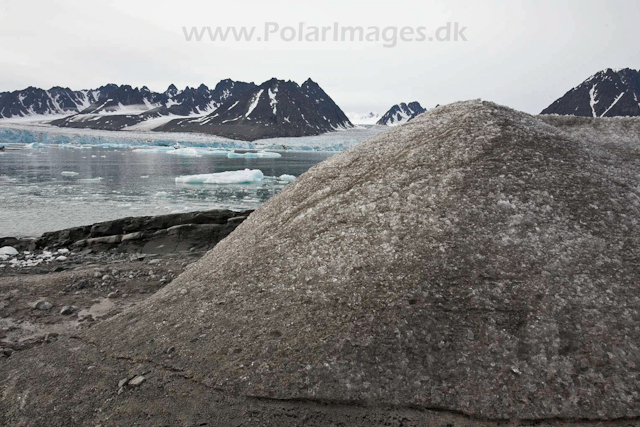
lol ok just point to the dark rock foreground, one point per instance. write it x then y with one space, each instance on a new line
147 234
475 266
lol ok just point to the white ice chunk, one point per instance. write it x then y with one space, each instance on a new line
11 251
187 152
287 178
258 155
69 173
63 251
246 176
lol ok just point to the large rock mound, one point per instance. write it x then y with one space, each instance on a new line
475 261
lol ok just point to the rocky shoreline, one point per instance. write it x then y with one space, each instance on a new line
69 280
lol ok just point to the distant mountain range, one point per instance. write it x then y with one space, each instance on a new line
401 113
232 109
275 108
607 93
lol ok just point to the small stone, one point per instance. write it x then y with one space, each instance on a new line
123 382
137 381
106 277
43 305
155 261
171 350
97 274
68 310
61 258
9 251
113 295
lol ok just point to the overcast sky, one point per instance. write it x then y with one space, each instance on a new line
521 53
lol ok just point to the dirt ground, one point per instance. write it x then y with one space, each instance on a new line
40 304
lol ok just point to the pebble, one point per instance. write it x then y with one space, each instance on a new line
113 295
43 305
106 277
61 258
136 381
155 261
68 310
8 250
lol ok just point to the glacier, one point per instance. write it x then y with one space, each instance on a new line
41 133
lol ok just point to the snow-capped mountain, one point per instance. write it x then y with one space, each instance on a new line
276 108
363 118
34 101
120 107
607 93
401 113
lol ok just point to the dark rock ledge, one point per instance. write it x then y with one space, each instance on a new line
148 234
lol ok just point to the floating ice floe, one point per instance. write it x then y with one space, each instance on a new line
160 194
251 155
246 176
34 145
186 152
90 180
11 251
287 178
69 173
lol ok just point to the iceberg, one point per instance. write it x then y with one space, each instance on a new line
287 178
69 173
258 155
34 145
246 176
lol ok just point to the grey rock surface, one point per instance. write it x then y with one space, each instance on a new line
471 266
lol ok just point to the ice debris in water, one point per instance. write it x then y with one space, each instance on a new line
232 177
286 177
34 145
251 155
186 152
69 173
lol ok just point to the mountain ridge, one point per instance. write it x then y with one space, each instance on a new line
607 93
401 113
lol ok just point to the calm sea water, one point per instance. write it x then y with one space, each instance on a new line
36 197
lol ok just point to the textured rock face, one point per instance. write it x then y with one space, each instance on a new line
475 260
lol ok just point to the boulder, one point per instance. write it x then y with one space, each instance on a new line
473 266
